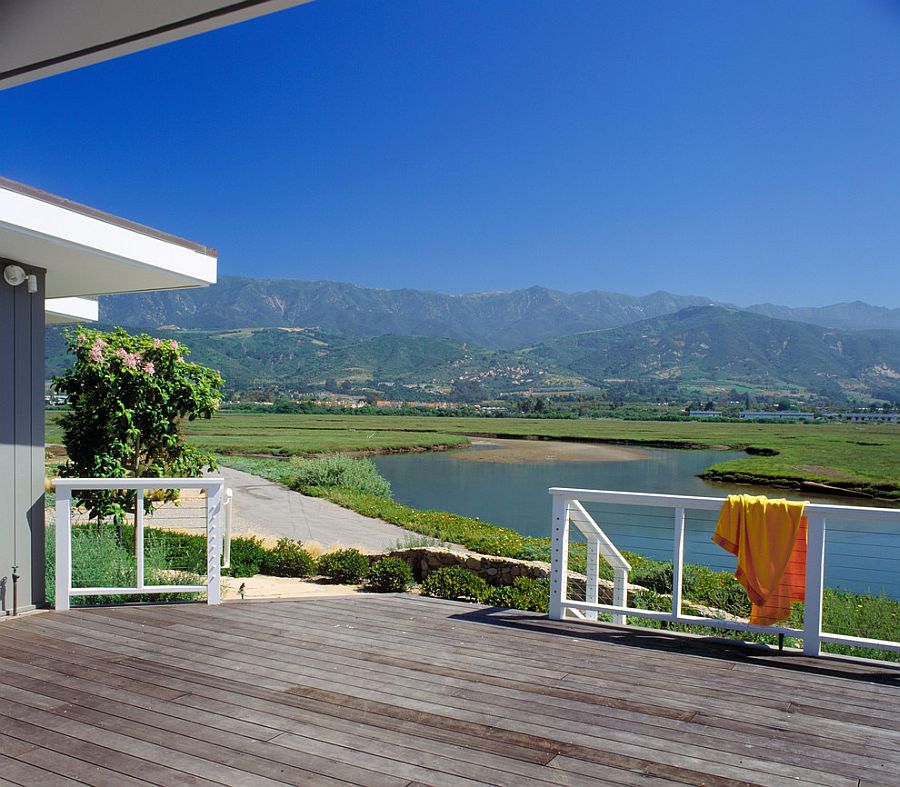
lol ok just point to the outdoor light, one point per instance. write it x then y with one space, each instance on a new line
14 275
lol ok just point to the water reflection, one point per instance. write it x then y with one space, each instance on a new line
861 558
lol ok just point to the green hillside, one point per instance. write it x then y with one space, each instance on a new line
718 345
704 348
295 358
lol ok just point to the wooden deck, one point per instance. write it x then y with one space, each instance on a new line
376 690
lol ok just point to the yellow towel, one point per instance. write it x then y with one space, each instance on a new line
769 539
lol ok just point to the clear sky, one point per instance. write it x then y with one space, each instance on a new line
748 152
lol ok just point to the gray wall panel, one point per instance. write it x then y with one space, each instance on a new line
7 441
22 439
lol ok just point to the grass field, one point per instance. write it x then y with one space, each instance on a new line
851 456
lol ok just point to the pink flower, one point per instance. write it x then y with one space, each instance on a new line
157 344
96 353
131 360
81 340
149 368
173 344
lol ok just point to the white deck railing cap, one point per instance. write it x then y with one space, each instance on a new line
137 483
714 503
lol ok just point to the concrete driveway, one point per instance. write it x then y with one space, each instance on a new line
270 510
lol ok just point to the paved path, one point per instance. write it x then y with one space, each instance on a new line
267 509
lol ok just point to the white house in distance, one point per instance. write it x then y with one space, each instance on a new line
55 254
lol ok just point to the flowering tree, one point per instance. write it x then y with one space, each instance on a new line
128 395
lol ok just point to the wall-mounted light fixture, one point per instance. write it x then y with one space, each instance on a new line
14 275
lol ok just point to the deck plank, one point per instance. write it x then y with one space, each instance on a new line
402 690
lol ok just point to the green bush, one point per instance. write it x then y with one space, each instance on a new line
360 475
456 584
653 575
288 559
390 575
525 593
247 556
345 566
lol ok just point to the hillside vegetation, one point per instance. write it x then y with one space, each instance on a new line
700 348
712 345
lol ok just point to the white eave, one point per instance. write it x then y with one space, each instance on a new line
60 311
40 38
88 252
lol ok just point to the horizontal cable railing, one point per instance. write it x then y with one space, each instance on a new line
199 514
665 536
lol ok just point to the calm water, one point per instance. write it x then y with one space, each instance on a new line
861 558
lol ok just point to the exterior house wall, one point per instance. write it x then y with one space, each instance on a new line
21 442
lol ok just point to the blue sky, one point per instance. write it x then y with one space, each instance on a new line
745 151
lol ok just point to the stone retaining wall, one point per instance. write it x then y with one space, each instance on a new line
494 570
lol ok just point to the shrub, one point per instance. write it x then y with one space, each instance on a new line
525 593
456 584
345 566
390 575
360 475
128 398
653 575
288 559
247 556
717 589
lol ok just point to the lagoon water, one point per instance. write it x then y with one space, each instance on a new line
861 558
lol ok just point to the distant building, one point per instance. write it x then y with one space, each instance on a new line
705 413
862 417
429 405
776 415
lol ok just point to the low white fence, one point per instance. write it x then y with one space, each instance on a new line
216 525
569 511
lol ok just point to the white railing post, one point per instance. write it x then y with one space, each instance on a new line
228 503
214 494
63 577
559 556
620 594
139 537
592 576
678 561
815 583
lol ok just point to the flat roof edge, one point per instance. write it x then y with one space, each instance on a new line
109 218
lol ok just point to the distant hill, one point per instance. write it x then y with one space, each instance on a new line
725 346
706 347
294 358
855 316
495 320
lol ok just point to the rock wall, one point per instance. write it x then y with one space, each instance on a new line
494 570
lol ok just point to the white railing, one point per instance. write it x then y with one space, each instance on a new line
216 499
568 510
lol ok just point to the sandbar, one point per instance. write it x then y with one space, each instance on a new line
504 451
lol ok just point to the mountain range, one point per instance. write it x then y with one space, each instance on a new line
496 320
294 334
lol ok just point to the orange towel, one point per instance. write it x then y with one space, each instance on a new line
769 539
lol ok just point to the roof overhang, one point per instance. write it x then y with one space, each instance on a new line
40 38
88 252
61 311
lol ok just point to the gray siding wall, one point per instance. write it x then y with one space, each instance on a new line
21 442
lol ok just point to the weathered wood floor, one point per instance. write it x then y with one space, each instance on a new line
402 690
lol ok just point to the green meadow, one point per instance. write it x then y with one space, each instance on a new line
855 457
